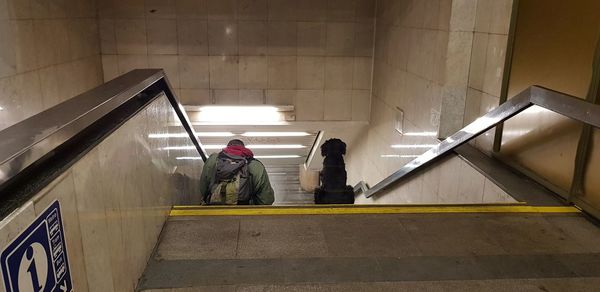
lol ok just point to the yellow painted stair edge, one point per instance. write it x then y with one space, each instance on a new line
362 209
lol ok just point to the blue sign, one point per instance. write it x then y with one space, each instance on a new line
37 261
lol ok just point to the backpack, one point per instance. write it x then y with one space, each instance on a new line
232 185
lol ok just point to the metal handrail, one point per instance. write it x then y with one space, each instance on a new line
26 142
558 102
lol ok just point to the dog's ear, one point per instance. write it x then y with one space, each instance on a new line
340 146
324 148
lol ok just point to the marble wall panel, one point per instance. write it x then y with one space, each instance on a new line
236 48
39 42
431 61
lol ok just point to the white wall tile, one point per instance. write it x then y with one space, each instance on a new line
282 38
252 38
281 97
341 10
312 38
252 96
222 37
195 97
108 41
283 10
282 72
496 53
362 73
253 72
338 105
252 9
192 37
132 62
361 105
312 10
223 72
131 36
309 105
161 9
311 72
237 36
222 9
110 67
227 96
340 39
8 54
194 71
339 72
191 9
162 36
25 45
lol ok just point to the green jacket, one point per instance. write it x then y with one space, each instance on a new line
263 192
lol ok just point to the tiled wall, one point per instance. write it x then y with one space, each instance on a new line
487 63
422 60
114 202
49 52
314 54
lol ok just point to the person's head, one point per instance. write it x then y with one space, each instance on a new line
236 142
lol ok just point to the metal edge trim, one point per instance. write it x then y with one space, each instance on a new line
30 140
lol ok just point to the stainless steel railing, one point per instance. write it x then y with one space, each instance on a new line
560 103
24 143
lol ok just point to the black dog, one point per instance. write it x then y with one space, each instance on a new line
333 188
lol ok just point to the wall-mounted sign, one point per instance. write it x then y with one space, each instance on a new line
37 261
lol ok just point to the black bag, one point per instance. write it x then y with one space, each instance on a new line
232 184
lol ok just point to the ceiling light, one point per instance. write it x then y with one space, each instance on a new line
276 156
420 134
398 156
215 134
189 158
259 146
198 134
257 157
207 147
237 115
275 134
179 148
399 146
283 146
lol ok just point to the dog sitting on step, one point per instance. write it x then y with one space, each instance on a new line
333 189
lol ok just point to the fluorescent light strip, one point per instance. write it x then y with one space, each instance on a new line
275 134
189 158
258 146
229 134
399 146
257 157
238 114
276 156
398 156
198 134
282 146
420 134
179 148
215 134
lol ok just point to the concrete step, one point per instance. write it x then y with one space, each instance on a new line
374 252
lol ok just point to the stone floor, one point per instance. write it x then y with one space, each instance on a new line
426 252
